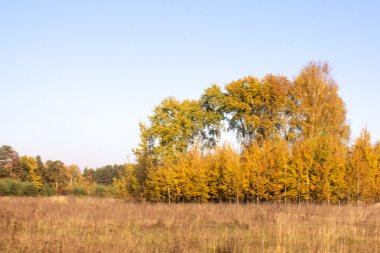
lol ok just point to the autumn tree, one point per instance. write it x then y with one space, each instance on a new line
161 183
174 128
191 169
233 176
294 144
376 150
281 177
328 172
363 169
88 175
259 109
320 115
320 109
126 185
73 173
29 171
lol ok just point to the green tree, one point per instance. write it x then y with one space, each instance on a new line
211 103
174 126
40 168
57 175
106 174
9 160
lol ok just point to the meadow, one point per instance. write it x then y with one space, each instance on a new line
37 224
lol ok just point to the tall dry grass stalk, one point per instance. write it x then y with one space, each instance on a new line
102 225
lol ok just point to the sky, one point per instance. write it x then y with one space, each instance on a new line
77 77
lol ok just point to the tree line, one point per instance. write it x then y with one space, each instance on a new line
293 137
293 140
27 175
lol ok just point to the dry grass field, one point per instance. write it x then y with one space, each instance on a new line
104 225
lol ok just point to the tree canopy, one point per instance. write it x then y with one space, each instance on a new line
293 140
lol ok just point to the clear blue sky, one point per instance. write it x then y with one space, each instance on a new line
76 77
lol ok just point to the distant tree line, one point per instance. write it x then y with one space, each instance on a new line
293 141
31 176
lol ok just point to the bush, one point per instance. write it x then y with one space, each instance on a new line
28 189
17 188
47 191
4 187
104 191
79 191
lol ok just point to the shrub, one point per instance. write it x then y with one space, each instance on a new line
79 191
28 189
104 191
4 187
15 187
47 191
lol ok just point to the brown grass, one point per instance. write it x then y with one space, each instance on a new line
102 225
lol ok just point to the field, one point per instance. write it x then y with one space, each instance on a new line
107 225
